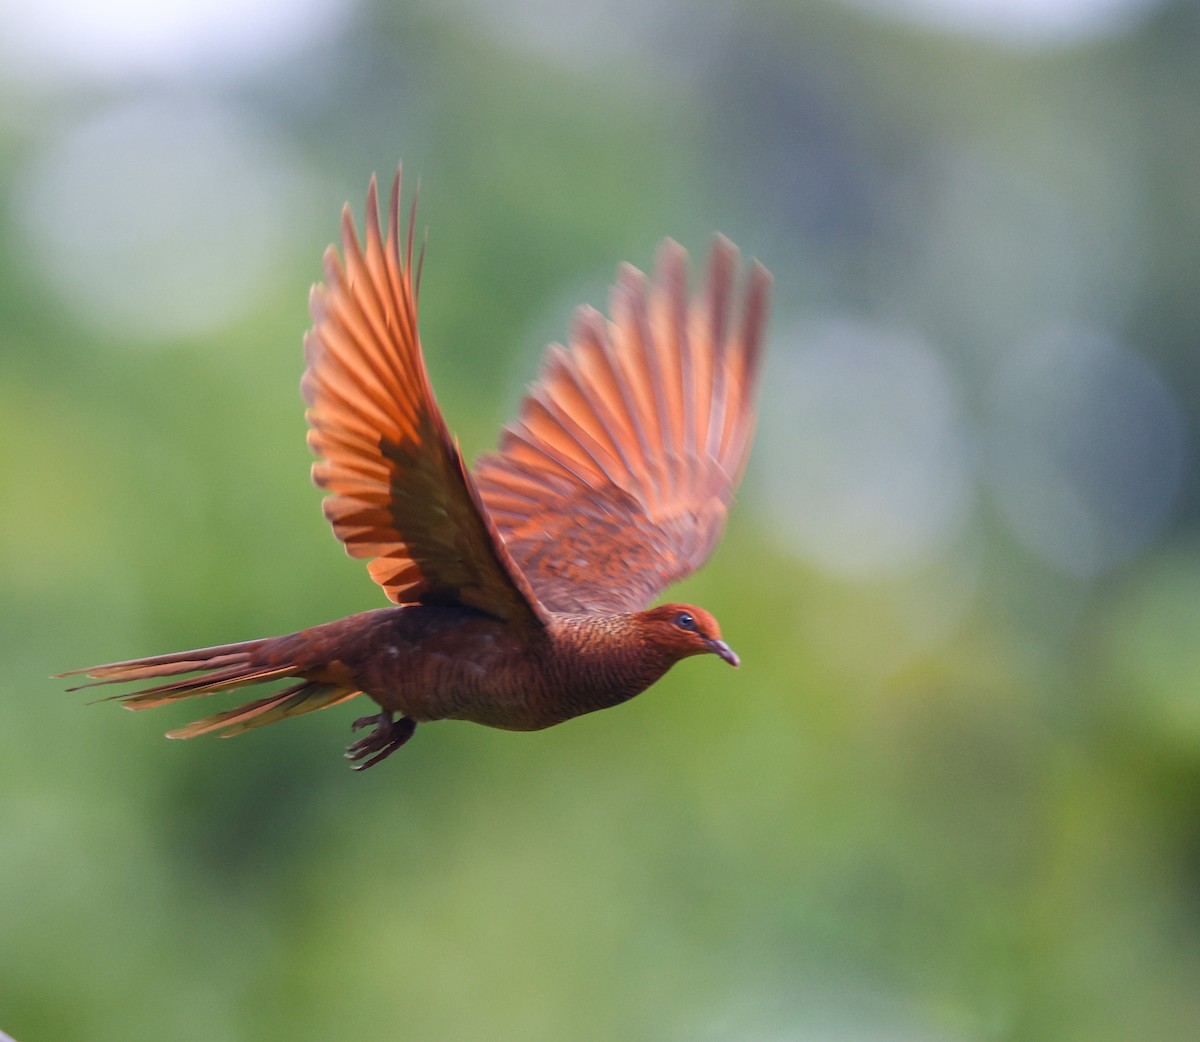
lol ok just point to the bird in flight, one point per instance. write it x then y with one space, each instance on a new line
521 590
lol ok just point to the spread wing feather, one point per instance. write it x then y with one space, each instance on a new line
399 492
616 477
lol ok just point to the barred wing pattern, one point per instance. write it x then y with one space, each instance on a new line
616 478
400 493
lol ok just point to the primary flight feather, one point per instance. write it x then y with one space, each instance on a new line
522 590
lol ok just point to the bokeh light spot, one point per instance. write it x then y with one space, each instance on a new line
163 218
1028 22
869 448
1086 449
57 39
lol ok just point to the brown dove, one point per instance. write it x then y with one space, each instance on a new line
521 590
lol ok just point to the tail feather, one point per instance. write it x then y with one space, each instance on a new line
208 684
170 664
222 668
305 697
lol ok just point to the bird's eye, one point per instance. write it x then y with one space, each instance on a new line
685 622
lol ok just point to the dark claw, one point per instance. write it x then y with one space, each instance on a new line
388 736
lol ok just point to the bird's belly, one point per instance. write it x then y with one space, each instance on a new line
479 691
494 690
475 670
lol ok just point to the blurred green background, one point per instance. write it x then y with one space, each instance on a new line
951 794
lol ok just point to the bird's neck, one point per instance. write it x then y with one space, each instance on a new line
603 659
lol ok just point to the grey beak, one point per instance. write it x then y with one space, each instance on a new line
719 647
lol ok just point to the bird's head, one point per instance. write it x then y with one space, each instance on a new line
683 630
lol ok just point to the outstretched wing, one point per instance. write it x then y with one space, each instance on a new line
399 492
616 478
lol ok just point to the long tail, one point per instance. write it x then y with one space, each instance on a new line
223 668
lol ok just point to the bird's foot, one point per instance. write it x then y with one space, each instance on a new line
388 736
